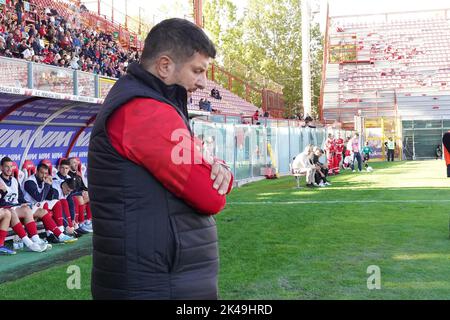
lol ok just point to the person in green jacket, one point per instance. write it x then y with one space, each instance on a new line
367 150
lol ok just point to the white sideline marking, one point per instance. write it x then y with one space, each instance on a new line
338 201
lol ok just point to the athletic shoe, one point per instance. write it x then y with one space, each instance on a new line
66 239
86 228
327 183
88 223
321 184
35 247
5 251
309 186
81 231
44 244
76 234
353 171
315 184
53 239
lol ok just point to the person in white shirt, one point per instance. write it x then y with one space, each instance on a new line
39 192
303 164
65 185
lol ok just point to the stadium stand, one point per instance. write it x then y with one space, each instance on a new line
230 103
59 40
393 65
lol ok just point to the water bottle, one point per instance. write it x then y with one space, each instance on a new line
16 244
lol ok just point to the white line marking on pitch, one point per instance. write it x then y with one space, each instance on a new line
338 201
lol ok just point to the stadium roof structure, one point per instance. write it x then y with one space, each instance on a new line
36 124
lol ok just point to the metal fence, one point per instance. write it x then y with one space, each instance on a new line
24 74
246 147
422 137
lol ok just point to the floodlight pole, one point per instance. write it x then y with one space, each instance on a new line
306 68
126 14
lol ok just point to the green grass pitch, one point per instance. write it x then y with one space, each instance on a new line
278 242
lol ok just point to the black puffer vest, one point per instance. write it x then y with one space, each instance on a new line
147 243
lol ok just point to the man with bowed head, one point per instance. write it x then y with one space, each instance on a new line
154 232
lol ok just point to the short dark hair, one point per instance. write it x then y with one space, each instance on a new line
5 159
179 38
42 165
70 183
64 162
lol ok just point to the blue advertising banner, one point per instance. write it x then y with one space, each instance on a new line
39 111
51 143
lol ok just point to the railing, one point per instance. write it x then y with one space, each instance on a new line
24 74
245 147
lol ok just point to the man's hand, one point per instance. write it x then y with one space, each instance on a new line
221 176
3 187
48 180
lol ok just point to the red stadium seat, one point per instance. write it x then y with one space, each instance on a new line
79 166
15 170
29 167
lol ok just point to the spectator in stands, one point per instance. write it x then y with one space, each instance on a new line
19 11
32 32
5 220
356 152
38 191
36 44
189 104
216 94
266 114
309 122
2 45
303 163
321 173
107 58
133 137
81 196
208 106
12 197
74 62
204 104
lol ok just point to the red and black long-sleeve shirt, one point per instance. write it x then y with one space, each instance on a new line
154 150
